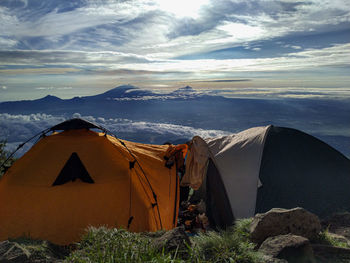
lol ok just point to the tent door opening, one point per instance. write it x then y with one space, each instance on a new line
72 170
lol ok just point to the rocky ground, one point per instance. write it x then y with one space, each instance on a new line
294 236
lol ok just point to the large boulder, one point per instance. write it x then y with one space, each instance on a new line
175 239
292 248
280 221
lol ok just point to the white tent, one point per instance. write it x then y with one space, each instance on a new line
265 167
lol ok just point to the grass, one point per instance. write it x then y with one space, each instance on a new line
118 245
326 238
232 245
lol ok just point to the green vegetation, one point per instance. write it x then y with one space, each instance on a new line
3 156
118 245
232 245
327 238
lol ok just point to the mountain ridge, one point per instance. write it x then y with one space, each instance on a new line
124 92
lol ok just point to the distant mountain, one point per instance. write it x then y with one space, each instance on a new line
186 93
326 119
124 91
50 98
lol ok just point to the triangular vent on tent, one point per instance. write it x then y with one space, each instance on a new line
72 170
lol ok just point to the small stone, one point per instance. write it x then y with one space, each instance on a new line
175 239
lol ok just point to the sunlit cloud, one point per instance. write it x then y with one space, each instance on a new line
38 71
114 42
182 8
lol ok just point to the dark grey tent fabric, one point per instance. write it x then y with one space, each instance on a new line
75 124
297 169
218 206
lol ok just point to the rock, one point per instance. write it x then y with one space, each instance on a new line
325 253
270 259
175 239
31 251
280 221
288 247
319 248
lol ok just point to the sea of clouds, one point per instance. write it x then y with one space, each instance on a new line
16 129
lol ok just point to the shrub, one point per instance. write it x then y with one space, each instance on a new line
3 156
232 245
328 239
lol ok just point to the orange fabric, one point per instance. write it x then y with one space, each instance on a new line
31 206
175 148
176 154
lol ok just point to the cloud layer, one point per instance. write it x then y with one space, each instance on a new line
105 43
18 128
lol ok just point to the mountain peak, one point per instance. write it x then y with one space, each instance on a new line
185 90
49 98
117 91
123 91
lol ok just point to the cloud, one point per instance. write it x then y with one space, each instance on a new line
225 80
286 92
155 28
52 88
309 58
64 88
56 57
141 41
6 43
18 128
45 88
39 71
4 87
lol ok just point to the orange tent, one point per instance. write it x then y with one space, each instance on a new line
77 178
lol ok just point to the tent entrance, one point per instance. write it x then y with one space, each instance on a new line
72 170
218 206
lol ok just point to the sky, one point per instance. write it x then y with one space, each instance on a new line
77 48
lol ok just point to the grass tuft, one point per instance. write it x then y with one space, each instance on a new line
232 245
326 238
119 245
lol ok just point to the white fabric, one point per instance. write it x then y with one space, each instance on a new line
196 163
237 157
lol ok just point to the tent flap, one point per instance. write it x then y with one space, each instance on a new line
237 158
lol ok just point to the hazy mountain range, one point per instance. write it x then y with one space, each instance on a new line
146 116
